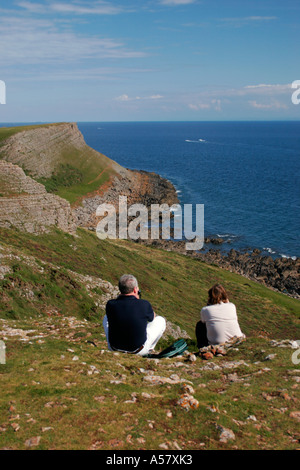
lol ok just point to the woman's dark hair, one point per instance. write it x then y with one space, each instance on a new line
217 294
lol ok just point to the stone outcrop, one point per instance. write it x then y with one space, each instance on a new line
281 274
139 187
26 205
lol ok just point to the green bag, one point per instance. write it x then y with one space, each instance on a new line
175 349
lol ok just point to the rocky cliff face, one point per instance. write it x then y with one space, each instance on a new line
26 205
138 186
40 151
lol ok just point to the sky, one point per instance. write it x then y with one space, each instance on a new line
148 60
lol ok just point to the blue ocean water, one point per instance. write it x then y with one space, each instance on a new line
245 173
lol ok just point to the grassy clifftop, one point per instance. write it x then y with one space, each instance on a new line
62 389
6 132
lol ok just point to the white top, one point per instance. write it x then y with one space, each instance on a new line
221 322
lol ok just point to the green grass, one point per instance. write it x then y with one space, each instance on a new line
93 168
6 132
82 404
176 285
82 408
66 176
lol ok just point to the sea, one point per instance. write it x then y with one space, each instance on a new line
246 174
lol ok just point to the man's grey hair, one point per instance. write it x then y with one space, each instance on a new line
127 283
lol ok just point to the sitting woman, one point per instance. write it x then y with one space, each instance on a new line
218 320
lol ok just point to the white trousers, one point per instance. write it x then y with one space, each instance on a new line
155 330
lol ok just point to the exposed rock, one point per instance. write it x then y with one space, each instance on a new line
4 270
270 357
208 352
214 241
40 150
295 415
188 402
225 434
285 343
33 441
26 205
139 187
281 274
158 380
175 331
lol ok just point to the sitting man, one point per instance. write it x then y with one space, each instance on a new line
130 324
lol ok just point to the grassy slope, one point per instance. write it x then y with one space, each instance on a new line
95 170
83 403
176 285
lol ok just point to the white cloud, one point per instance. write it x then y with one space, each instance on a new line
154 97
33 7
257 90
273 105
217 104
260 18
212 104
197 107
177 2
263 88
125 97
122 98
248 19
77 73
38 41
77 8
99 8
262 96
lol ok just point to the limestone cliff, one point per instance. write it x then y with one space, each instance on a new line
26 205
57 156
40 150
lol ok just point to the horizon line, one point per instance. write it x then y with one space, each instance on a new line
151 121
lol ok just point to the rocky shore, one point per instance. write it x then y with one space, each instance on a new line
280 274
